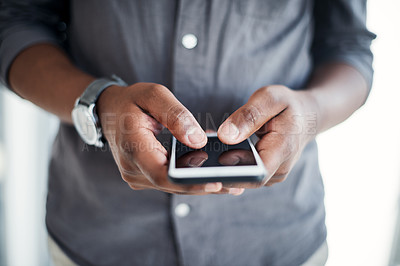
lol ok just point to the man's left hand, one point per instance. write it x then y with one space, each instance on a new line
285 121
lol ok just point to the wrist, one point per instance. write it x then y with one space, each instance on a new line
106 100
105 108
312 114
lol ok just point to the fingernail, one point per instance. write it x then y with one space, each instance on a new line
212 187
236 191
230 130
195 135
196 161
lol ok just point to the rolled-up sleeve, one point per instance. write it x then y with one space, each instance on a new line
341 35
25 23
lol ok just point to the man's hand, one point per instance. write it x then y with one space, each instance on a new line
131 117
44 75
280 117
286 120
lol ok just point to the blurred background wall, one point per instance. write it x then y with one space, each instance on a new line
26 134
360 159
360 163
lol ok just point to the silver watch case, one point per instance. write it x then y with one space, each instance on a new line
87 124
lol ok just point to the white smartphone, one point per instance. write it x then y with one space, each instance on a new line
215 162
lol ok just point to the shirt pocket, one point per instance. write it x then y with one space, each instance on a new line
266 10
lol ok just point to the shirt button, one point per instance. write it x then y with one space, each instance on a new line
189 41
182 210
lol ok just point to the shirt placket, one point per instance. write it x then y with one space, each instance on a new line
188 74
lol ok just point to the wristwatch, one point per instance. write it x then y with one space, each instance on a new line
84 116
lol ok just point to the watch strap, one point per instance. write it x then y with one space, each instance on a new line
93 91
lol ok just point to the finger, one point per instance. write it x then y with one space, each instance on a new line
141 148
275 180
222 191
204 189
133 119
192 159
236 191
274 151
140 151
151 158
135 179
166 109
262 106
243 185
201 193
141 186
231 191
282 173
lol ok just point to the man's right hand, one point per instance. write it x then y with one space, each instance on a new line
131 117
44 75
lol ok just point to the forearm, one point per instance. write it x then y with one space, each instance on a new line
338 90
44 75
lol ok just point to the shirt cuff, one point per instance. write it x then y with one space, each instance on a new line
17 39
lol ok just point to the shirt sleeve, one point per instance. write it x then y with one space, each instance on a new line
341 35
25 23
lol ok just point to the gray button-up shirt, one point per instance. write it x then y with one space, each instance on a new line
213 54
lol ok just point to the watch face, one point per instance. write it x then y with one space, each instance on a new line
85 124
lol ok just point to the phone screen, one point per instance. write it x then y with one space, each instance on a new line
214 154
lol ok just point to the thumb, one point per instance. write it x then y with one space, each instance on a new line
165 108
249 118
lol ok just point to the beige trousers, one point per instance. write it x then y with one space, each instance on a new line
60 259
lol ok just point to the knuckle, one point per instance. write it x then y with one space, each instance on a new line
128 171
268 91
134 187
124 166
276 180
157 89
251 114
151 91
280 179
127 175
282 173
265 90
176 115
273 94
